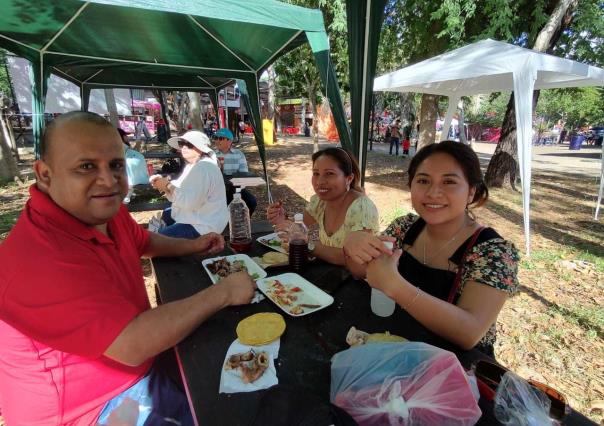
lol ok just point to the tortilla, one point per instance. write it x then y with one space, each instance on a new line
273 257
260 329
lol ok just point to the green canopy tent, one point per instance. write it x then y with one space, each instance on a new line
365 19
194 45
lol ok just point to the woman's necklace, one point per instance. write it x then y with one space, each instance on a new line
453 238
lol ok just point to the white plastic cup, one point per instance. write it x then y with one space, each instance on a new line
381 305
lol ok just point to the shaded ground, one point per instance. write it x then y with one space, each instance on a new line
553 329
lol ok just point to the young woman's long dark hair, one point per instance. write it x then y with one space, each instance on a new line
467 160
346 162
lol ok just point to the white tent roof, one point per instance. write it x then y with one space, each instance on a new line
487 66
492 66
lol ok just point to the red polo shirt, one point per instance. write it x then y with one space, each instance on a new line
66 292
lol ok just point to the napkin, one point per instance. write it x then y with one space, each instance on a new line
230 380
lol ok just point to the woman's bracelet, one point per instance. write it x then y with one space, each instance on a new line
408 305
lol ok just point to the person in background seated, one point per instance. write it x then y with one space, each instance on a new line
231 161
449 272
338 207
198 195
78 334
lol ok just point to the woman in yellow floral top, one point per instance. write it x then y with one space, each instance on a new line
338 207
447 271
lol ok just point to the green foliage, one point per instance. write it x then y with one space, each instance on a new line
488 111
297 72
575 107
5 86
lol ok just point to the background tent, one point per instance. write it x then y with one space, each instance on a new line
193 45
493 66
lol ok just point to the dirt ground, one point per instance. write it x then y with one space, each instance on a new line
552 330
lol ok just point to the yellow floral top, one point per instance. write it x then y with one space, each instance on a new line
361 214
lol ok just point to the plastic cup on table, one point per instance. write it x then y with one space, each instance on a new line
382 305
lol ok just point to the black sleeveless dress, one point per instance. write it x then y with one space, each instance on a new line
439 282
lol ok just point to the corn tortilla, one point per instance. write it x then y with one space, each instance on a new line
260 329
274 257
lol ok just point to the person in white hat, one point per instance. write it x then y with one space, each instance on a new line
198 195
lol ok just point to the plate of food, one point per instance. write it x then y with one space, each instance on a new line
220 267
293 294
272 241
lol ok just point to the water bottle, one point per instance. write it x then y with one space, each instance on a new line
240 230
298 243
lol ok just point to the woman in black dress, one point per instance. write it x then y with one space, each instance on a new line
447 271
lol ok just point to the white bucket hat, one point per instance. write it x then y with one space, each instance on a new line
198 139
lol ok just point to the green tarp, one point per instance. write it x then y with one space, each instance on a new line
193 45
365 19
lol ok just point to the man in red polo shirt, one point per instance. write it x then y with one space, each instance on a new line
78 334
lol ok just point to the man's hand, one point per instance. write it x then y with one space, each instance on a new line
210 243
238 287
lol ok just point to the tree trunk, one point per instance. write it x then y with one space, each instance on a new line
315 118
111 107
8 165
503 166
195 110
181 110
427 126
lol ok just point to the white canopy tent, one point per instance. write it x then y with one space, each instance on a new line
492 66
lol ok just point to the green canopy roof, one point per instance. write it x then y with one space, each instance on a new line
170 44
195 45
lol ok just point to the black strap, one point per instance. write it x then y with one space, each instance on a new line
457 281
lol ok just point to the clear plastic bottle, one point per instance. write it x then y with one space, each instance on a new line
240 230
298 243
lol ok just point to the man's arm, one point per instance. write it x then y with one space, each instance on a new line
158 329
162 246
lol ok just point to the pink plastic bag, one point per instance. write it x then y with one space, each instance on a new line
402 384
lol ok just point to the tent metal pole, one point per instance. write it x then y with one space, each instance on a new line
372 121
362 118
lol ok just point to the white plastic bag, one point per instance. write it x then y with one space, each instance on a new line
517 403
402 384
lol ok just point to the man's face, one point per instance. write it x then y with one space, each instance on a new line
223 144
84 172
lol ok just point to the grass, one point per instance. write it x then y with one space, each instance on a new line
7 220
390 215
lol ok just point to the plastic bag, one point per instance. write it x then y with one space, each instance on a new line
402 384
518 403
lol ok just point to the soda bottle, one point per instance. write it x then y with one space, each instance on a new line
298 243
240 230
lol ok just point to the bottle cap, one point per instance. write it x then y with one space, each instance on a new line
298 217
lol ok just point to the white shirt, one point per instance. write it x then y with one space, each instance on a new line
199 197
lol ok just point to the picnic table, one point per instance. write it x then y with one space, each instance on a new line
307 345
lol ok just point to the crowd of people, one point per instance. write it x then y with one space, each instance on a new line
78 333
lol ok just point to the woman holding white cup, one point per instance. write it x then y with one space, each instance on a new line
448 271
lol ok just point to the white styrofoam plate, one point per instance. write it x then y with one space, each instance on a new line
307 294
252 267
272 241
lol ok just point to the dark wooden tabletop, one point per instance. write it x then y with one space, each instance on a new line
307 345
